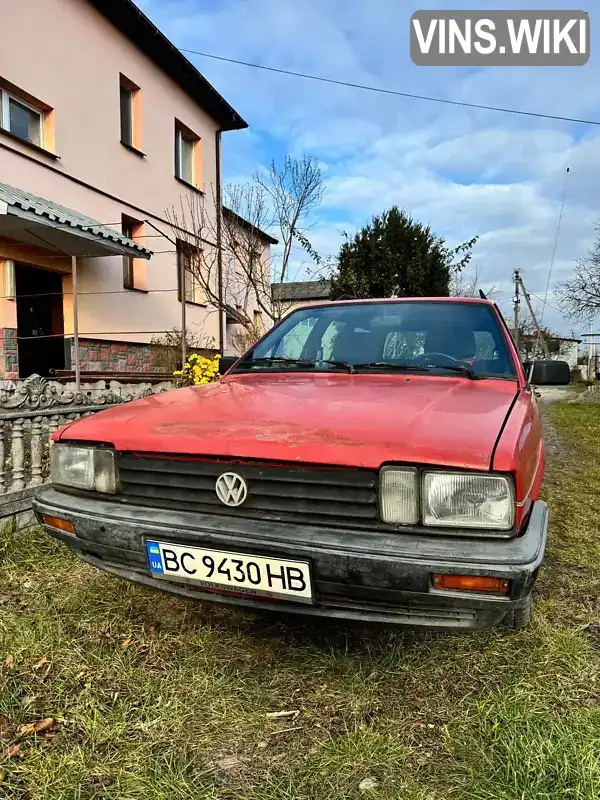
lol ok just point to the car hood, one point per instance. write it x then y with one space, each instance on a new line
339 419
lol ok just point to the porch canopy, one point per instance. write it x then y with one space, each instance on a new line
33 220
36 221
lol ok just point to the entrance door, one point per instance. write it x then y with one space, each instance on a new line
40 325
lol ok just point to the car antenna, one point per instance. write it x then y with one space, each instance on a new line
482 295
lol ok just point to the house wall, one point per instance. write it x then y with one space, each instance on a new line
76 71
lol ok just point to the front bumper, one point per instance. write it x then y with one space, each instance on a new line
361 576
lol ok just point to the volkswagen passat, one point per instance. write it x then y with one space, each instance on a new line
377 460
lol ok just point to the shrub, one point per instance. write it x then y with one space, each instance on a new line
198 370
166 349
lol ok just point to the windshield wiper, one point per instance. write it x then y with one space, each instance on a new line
458 368
388 365
304 362
334 363
300 362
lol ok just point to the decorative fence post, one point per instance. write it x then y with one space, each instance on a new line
18 455
37 447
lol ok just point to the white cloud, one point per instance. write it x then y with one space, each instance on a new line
464 171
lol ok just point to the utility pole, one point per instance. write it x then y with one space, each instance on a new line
181 261
540 335
590 350
517 302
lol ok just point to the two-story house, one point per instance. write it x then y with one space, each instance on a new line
105 129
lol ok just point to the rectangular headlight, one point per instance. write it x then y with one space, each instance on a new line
91 468
398 495
462 500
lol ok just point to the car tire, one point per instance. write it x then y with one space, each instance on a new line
520 617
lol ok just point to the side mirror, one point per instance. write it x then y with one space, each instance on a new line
548 373
226 362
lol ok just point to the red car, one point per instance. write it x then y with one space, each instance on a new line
375 460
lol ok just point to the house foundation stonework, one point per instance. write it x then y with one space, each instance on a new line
98 355
9 359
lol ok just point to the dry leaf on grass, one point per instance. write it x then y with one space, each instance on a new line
41 662
10 661
36 727
44 725
127 642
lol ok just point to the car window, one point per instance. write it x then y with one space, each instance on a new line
292 344
426 335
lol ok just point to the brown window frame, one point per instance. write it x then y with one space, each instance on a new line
182 249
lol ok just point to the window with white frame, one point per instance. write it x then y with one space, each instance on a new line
21 118
185 154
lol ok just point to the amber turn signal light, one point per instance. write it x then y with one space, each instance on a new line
57 522
471 583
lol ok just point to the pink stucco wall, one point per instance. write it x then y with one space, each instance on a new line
71 61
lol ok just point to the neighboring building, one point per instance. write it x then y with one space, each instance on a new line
104 127
289 296
560 348
247 281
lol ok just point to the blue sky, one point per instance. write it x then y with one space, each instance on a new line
466 172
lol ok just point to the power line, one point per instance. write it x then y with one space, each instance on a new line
394 92
541 300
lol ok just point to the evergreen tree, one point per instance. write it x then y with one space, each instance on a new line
396 256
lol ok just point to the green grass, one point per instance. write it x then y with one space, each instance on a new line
160 698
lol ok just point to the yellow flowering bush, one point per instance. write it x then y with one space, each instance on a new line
198 370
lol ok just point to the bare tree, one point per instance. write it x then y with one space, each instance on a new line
579 296
281 201
465 285
295 189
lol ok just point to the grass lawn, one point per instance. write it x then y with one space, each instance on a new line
155 697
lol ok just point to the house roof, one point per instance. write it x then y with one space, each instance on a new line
34 219
132 22
244 223
302 290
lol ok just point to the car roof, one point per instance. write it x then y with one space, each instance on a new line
362 301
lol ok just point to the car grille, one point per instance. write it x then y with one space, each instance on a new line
316 495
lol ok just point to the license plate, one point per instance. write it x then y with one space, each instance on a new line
238 572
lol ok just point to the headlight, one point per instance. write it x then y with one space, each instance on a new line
83 468
398 495
462 500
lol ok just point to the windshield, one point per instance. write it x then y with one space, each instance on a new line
418 336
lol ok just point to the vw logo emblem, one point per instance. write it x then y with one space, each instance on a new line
231 489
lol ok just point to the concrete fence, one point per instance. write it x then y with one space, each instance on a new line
30 411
